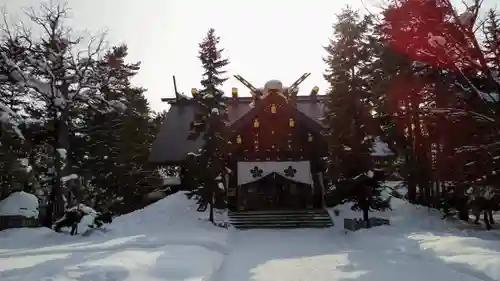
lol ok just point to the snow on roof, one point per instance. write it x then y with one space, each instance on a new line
273 84
20 204
171 180
380 148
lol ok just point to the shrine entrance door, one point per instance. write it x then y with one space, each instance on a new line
274 192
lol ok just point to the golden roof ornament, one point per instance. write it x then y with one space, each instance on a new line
272 86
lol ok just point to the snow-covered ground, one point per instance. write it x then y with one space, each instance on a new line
168 241
417 246
164 241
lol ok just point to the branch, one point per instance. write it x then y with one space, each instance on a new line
458 110
5 27
374 17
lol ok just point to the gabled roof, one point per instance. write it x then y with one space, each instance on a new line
171 144
311 120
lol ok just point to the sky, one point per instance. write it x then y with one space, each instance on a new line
263 39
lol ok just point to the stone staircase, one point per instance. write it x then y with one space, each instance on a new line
318 218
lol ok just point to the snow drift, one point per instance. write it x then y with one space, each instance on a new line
167 240
20 204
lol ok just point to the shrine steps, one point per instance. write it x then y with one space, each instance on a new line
318 218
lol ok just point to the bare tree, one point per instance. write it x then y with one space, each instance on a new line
61 76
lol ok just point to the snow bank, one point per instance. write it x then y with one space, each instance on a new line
478 256
194 248
20 204
419 232
168 240
175 215
156 195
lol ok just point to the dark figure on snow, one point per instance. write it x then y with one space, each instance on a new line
484 200
486 206
364 190
103 218
71 218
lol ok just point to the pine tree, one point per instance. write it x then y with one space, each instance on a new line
116 144
444 114
14 116
61 84
347 118
492 39
211 120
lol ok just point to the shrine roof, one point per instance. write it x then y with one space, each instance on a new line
172 145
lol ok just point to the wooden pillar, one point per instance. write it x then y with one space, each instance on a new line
312 192
226 187
238 198
322 185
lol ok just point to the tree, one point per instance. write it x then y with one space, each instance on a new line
115 145
14 168
211 119
349 124
451 100
62 79
345 109
491 32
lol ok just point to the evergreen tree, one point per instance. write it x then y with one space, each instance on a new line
116 144
347 118
14 115
211 121
444 102
63 89
492 39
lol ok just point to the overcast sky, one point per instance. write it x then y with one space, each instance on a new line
264 40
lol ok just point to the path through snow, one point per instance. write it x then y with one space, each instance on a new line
323 255
418 246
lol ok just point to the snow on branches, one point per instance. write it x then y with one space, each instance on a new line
52 68
431 32
11 119
63 78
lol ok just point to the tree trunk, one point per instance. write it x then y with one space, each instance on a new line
63 146
366 217
56 205
463 213
463 207
211 211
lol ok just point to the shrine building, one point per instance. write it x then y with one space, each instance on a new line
276 146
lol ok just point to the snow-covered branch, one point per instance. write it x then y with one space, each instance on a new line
53 68
459 111
11 119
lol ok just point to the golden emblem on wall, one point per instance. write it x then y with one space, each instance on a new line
273 108
256 123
